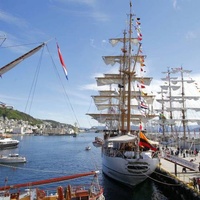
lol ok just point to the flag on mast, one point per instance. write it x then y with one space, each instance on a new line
62 62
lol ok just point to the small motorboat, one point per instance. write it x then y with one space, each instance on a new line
12 159
87 148
98 142
8 143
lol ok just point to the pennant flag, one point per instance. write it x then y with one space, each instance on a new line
141 59
143 93
160 130
139 85
138 23
162 116
143 112
144 142
112 110
140 127
143 105
139 34
120 86
62 62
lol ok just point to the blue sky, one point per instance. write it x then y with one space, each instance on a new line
171 38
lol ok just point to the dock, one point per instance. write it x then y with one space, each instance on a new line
177 173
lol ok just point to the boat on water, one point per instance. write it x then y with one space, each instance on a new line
179 108
8 143
12 159
125 108
98 142
87 148
91 191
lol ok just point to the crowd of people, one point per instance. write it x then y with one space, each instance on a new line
184 153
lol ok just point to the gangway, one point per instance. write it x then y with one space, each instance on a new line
180 161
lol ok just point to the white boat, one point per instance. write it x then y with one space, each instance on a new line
125 106
12 159
98 142
87 148
8 143
92 191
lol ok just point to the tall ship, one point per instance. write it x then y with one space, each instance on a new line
179 107
125 108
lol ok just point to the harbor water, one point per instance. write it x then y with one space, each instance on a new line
56 156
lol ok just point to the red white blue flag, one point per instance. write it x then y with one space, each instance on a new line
62 62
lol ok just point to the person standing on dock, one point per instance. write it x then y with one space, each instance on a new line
199 167
194 183
196 152
198 183
186 153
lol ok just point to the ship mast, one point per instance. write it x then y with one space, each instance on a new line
170 99
130 74
183 106
162 118
123 109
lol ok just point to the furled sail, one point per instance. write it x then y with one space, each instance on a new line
115 41
112 60
116 79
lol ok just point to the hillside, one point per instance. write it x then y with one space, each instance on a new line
17 115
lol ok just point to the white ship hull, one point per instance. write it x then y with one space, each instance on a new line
128 171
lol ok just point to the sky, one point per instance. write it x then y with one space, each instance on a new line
82 28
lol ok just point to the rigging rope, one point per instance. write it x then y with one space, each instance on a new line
66 95
34 84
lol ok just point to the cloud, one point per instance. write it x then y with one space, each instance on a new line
13 43
104 43
92 86
191 35
99 16
85 2
8 18
175 5
88 9
92 43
